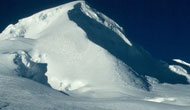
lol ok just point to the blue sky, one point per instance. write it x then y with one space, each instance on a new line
161 26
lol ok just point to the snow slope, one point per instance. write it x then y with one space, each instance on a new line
81 52
23 94
62 51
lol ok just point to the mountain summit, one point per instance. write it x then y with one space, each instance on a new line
74 48
81 52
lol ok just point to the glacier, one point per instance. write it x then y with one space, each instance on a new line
74 57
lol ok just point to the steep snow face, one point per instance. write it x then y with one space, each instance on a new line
101 18
50 43
108 38
80 51
76 49
28 28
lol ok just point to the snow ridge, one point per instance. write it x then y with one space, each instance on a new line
182 62
68 62
180 70
73 57
78 50
101 18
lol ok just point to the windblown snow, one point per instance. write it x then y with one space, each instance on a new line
180 70
182 62
81 52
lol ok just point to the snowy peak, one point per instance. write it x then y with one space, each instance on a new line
40 21
36 23
73 57
113 41
78 50
102 19
75 60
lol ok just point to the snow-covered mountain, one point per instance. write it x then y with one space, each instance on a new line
81 52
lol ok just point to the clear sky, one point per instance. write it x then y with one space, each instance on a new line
161 26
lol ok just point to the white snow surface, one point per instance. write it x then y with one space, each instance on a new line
52 53
179 70
74 63
182 62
